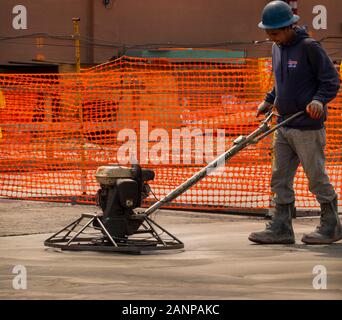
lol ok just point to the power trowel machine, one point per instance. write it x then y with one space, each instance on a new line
123 226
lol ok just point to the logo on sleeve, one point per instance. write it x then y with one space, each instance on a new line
292 63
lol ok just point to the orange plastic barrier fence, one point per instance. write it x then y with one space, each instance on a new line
169 115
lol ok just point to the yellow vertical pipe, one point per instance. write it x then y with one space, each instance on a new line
76 25
76 35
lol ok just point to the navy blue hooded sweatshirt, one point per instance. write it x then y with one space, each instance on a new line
303 72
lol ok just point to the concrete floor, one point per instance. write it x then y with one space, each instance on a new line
218 261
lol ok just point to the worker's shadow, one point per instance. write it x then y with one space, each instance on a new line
333 250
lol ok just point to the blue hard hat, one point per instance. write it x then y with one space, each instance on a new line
277 14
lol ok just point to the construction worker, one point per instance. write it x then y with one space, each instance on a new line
305 79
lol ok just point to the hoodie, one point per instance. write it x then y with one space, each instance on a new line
303 72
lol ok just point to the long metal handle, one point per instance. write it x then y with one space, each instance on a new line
251 138
278 126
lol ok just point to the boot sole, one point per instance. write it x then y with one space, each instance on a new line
258 241
320 241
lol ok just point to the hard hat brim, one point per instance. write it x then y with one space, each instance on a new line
293 20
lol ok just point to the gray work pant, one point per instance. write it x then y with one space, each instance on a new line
291 147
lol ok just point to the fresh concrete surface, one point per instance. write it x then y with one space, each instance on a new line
218 261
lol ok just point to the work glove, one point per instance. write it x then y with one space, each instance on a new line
315 109
263 107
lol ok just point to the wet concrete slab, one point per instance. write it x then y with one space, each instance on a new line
218 262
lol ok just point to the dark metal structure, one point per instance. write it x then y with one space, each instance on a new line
120 227
83 235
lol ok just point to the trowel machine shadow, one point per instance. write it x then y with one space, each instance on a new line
123 226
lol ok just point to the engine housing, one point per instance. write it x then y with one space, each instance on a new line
122 189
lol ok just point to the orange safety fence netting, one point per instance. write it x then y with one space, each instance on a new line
169 115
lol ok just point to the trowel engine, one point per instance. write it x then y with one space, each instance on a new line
122 190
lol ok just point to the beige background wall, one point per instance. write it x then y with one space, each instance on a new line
188 22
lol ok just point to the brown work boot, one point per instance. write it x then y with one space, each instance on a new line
330 229
279 230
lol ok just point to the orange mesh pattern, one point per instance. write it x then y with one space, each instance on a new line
171 116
